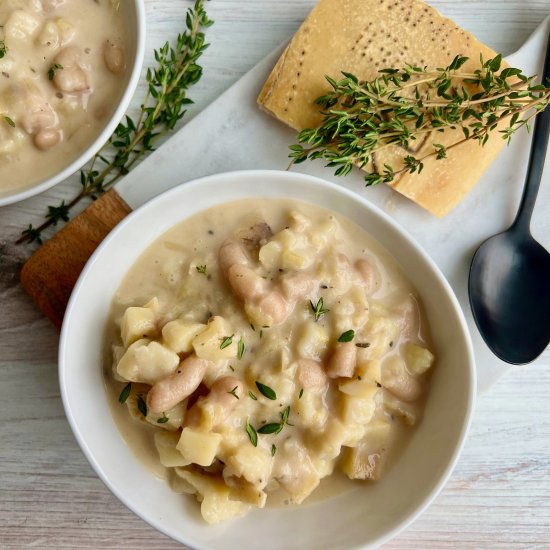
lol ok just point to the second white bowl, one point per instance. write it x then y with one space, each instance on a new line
134 12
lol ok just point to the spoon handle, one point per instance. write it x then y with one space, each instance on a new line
537 155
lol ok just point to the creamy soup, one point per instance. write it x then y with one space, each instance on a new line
62 72
261 346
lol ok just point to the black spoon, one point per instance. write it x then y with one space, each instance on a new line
509 283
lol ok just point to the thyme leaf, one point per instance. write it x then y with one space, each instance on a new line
273 427
252 434
227 341
266 391
318 309
276 427
240 349
53 70
233 392
284 416
125 393
163 419
141 405
347 336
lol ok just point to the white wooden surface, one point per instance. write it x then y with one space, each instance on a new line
499 495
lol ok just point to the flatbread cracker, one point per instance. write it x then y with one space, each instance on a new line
362 37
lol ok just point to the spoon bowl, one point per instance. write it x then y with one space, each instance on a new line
510 296
509 283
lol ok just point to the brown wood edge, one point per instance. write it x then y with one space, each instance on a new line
50 274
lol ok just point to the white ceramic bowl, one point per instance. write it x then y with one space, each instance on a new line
364 517
134 11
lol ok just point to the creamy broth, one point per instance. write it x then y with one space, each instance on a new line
342 415
61 76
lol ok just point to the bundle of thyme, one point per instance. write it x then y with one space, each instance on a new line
401 107
163 107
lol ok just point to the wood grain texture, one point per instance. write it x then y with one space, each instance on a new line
50 274
499 494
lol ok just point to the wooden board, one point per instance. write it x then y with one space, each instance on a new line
50 274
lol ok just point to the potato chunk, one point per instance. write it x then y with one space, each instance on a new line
299 477
49 35
147 362
170 420
361 463
199 447
251 463
208 344
358 410
313 340
21 25
136 323
365 461
216 505
311 410
397 379
418 358
166 444
363 388
178 335
11 139
371 370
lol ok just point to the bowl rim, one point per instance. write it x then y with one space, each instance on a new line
373 209
107 131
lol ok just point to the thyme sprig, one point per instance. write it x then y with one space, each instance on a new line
404 106
163 107
318 309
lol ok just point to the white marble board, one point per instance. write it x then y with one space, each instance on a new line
232 133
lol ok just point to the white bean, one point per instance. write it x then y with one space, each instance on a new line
46 139
369 275
221 392
226 392
311 375
342 361
113 56
231 253
71 80
266 303
223 397
245 282
69 56
237 249
253 236
167 393
273 308
297 286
